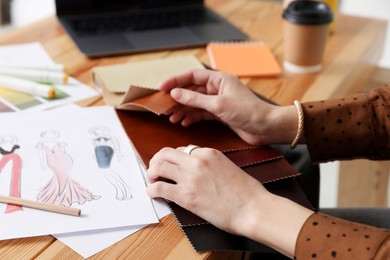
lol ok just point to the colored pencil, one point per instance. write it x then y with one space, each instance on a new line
40 206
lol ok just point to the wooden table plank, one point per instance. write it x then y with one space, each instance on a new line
357 60
24 248
363 183
351 52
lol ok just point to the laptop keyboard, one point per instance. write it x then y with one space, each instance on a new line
139 21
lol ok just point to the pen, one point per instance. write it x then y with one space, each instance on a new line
40 205
36 75
34 66
26 86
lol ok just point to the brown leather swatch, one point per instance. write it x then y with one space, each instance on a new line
144 99
159 103
149 133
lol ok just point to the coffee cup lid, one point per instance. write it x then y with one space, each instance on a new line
308 12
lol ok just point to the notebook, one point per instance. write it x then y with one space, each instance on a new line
122 83
101 28
243 58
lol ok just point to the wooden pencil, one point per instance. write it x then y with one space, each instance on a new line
40 205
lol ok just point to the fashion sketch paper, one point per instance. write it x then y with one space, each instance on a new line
79 158
99 240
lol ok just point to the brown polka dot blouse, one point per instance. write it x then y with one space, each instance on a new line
356 126
326 237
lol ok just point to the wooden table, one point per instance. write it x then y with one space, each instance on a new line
351 55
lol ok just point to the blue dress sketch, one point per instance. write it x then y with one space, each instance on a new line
106 147
61 189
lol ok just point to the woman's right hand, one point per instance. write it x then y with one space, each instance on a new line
223 97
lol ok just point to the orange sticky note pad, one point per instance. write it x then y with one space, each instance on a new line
243 58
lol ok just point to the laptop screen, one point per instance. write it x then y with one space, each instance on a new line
69 7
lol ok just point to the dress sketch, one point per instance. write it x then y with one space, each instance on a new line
106 147
8 153
61 189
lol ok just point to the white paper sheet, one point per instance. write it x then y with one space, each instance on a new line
101 239
11 101
88 243
56 136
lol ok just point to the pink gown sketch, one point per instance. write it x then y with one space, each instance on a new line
61 189
13 158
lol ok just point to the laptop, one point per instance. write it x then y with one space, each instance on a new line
113 27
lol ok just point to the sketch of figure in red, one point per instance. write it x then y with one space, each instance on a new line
61 189
106 147
8 149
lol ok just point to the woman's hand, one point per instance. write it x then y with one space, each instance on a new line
222 96
209 185
206 183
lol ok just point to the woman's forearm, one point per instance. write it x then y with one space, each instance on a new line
276 222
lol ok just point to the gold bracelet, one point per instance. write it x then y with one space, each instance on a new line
298 136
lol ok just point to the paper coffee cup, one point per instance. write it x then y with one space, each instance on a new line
306 26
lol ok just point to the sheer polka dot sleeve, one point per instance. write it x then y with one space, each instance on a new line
326 237
357 126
